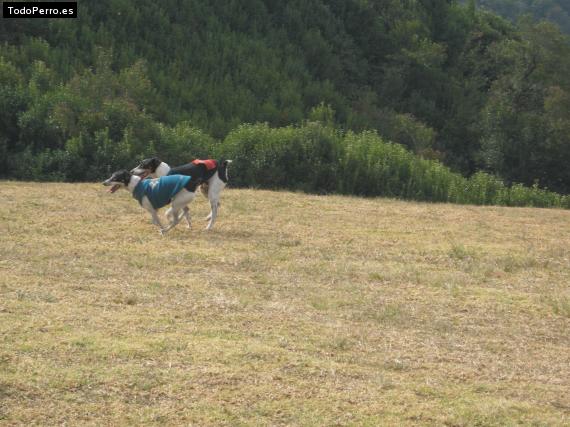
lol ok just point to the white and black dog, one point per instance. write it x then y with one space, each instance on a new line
153 194
211 175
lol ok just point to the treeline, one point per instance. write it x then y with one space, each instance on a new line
450 82
557 11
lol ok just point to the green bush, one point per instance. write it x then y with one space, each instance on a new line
316 157
291 157
180 144
49 165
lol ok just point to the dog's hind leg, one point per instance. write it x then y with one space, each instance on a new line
204 187
186 213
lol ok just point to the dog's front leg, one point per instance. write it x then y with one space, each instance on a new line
213 214
179 208
154 214
174 217
186 214
156 221
216 185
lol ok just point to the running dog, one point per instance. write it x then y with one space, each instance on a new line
211 175
153 194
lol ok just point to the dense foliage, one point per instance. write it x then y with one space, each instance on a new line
318 158
450 82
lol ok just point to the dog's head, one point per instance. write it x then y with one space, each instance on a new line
118 179
146 167
223 169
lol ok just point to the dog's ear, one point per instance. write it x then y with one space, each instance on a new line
223 170
124 176
155 163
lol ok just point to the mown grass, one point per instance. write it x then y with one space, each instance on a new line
295 310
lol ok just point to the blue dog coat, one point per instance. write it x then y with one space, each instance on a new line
160 191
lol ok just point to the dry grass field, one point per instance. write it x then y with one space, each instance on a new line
295 310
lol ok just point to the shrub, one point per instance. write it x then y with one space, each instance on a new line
181 144
315 157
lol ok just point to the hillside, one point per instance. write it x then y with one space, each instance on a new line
449 82
374 312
